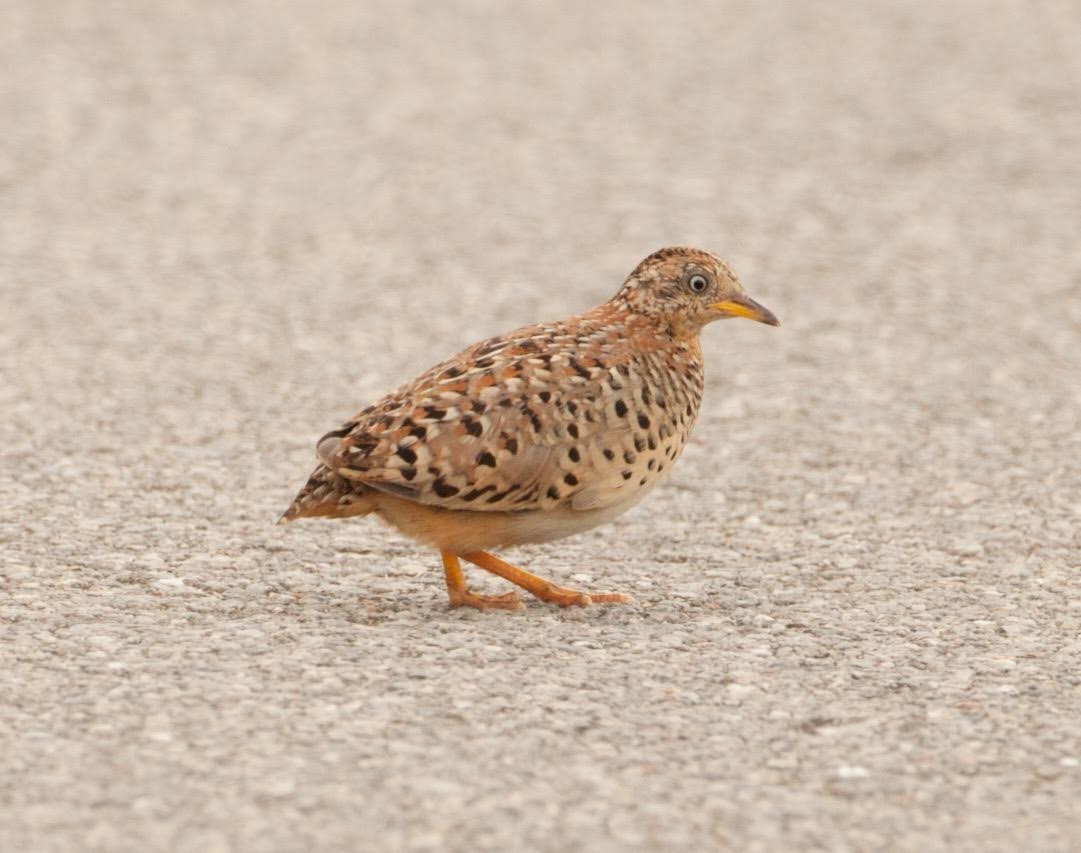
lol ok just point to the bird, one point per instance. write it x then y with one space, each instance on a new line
538 434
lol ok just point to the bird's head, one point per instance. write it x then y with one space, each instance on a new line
684 289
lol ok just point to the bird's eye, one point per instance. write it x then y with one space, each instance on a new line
697 283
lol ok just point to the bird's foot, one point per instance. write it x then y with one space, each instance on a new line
565 597
460 595
466 598
543 589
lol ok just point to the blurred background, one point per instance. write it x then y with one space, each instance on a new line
226 227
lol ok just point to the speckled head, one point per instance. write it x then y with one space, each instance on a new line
683 289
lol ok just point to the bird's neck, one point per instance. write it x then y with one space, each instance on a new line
651 329
644 333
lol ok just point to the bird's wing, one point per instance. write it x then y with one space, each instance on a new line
517 423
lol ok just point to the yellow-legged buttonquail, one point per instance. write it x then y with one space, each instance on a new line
537 434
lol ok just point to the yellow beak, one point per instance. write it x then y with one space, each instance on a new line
744 306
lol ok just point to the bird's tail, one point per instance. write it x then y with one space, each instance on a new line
328 494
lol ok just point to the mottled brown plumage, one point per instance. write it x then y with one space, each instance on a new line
537 434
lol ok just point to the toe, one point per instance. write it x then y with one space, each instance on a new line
506 601
610 598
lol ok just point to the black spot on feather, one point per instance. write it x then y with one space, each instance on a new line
476 493
579 369
444 489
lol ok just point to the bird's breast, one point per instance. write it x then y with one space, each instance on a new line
631 435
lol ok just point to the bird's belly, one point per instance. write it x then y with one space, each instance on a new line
465 531
565 521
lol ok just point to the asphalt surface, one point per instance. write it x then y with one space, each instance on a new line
226 227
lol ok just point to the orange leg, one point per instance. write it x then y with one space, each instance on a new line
543 589
461 596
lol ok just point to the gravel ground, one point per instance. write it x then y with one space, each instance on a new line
225 227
